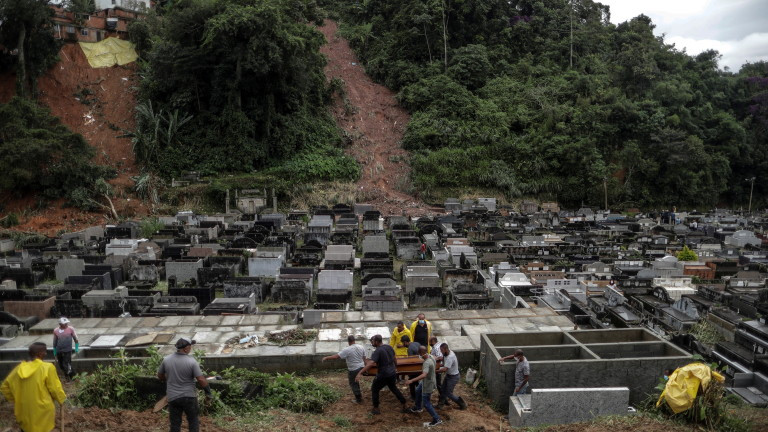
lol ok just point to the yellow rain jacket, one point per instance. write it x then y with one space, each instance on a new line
395 339
429 329
683 385
31 387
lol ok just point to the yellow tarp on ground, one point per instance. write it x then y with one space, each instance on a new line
109 52
683 385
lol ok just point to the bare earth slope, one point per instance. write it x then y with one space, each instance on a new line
98 104
375 123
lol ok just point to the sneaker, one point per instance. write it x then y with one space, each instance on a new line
414 410
435 423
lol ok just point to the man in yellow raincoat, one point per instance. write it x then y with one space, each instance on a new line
31 387
395 341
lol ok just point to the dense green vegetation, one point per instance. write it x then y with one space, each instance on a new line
26 33
42 156
501 100
236 86
247 391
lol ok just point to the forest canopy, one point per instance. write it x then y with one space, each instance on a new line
505 96
236 86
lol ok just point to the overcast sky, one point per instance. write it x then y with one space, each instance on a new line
738 29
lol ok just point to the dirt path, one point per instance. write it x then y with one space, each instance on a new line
375 123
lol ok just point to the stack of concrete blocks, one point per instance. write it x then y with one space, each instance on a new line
335 286
567 405
69 267
28 308
384 295
277 218
122 247
242 305
114 273
183 270
375 246
630 358
244 287
456 251
145 272
489 203
290 291
452 205
339 257
407 248
373 222
348 222
176 305
266 263
7 245
94 300
361 209
303 274
319 229
204 234
422 283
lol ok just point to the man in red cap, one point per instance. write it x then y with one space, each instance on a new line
63 336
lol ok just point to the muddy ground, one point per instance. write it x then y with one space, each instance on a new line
344 415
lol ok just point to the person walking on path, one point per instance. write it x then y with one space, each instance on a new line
31 387
421 330
522 372
395 341
423 251
451 369
180 371
355 356
384 359
427 385
63 336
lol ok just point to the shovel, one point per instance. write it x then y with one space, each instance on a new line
160 404
61 417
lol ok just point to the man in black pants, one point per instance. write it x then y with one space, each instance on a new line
384 359
180 371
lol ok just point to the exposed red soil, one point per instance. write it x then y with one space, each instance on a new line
346 415
100 116
375 123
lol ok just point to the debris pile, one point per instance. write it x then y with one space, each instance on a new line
292 337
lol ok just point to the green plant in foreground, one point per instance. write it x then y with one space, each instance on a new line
248 391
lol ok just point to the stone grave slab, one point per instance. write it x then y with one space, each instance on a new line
107 341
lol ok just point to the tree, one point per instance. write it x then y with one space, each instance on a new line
42 156
687 255
26 32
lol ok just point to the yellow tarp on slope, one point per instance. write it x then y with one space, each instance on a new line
109 52
683 385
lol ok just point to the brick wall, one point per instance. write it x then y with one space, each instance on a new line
23 309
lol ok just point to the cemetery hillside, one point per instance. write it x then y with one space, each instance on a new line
383 215
541 99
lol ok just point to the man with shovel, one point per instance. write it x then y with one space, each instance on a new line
180 371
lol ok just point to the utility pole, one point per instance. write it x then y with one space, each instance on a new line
571 5
751 189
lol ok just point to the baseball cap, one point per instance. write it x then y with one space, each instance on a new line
63 320
184 342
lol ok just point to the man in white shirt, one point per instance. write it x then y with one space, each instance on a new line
451 369
355 356
438 356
